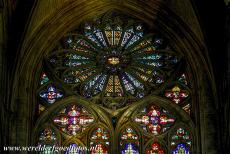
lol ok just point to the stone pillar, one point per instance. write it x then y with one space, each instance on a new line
3 77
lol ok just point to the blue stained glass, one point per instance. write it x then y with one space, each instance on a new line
90 36
137 36
126 37
74 64
183 79
128 86
95 85
51 95
92 82
135 82
100 85
152 57
133 40
130 149
158 77
74 60
140 95
155 64
73 56
100 36
181 149
74 149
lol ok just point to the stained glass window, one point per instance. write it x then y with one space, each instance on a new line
44 78
113 58
47 139
182 135
100 140
182 79
181 149
130 148
106 67
99 149
51 94
114 87
155 119
155 149
179 93
176 94
129 135
73 119
129 140
181 141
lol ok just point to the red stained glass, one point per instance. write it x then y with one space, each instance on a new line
155 120
74 120
99 149
51 94
176 94
155 149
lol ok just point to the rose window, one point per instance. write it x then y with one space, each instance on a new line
113 59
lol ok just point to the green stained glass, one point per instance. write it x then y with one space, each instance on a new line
44 78
181 135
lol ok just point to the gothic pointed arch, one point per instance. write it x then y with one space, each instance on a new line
116 69
113 62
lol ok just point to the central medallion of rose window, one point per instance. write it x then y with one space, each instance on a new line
113 60
113 63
